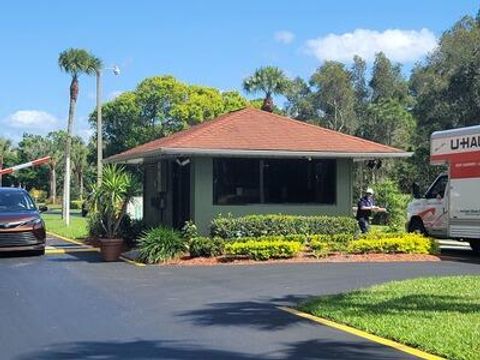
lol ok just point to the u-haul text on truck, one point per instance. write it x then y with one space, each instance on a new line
451 206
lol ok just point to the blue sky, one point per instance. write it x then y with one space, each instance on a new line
215 43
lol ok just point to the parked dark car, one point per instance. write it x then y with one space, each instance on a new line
21 227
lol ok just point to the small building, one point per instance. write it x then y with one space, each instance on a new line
249 162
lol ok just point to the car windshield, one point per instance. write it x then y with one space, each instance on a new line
13 201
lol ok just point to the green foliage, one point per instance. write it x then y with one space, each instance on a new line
261 225
301 239
269 80
78 61
160 244
393 244
40 196
206 247
111 198
330 243
387 82
437 314
388 195
160 106
263 250
189 230
129 230
335 96
76 204
320 248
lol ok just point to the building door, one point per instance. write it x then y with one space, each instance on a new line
181 194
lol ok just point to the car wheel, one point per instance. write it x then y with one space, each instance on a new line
475 245
416 226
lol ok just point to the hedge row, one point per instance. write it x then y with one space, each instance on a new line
264 250
401 243
262 225
279 246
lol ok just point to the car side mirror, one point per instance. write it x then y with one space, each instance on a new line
43 208
416 190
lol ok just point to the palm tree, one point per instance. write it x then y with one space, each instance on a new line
270 80
5 150
74 62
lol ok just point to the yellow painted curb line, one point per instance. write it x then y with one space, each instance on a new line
90 248
56 251
132 262
390 343
67 239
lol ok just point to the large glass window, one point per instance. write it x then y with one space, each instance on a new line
274 181
236 181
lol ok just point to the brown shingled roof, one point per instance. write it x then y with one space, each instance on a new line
256 130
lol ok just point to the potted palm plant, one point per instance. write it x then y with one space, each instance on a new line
110 200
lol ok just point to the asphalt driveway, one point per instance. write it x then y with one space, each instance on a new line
74 306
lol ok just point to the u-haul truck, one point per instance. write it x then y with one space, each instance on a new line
451 206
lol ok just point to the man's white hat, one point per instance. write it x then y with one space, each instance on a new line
369 191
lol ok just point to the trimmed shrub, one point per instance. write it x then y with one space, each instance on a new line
76 204
320 248
160 244
393 244
262 225
189 230
206 247
264 250
302 239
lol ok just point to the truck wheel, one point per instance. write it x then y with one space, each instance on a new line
416 226
475 245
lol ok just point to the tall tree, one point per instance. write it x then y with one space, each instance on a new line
159 106
36 146
269 80
387 81
5 150
335 96
300 101
74 62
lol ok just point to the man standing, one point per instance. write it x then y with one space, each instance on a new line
365 206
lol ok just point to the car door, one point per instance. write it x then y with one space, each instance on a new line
435 215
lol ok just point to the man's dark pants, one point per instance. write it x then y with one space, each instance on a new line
364 224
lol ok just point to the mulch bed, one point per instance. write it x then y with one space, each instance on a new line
302 259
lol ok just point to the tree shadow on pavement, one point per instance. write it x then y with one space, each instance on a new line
259 315
167 349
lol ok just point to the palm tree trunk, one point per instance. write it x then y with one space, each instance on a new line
53 184
68 146
1 167
80 175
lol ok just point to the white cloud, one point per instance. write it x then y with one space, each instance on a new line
284 37
398 45
30 119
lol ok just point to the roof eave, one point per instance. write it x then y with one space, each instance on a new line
167 152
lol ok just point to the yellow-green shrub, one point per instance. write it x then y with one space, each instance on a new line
393 244
320 248
263 250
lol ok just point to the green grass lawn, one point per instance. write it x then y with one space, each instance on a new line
440 315
76 230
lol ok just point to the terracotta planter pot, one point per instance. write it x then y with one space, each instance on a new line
111 249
